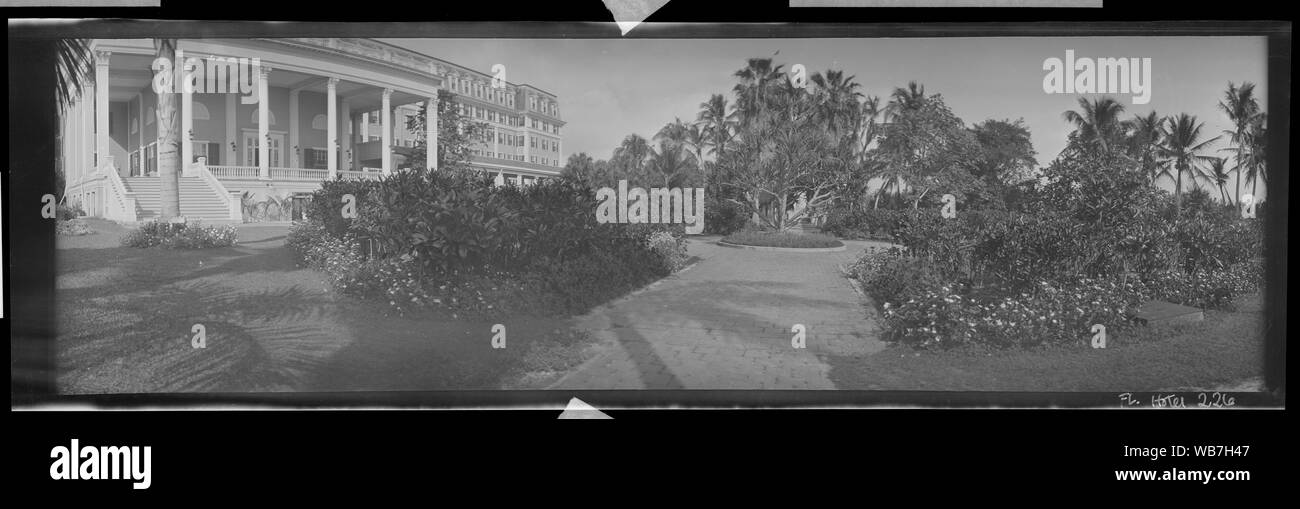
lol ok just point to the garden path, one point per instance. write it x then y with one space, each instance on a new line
725 323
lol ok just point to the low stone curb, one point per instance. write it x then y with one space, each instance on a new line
842 247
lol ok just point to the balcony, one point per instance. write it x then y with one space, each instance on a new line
289 174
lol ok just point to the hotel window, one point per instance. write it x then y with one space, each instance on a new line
315 158
207 149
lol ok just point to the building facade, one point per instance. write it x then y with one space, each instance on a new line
264 121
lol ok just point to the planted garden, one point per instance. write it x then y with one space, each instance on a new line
451 240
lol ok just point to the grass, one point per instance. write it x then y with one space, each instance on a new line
1224 349
782 239
125 318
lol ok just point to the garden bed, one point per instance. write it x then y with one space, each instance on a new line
783 241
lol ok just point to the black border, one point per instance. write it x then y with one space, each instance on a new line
29 118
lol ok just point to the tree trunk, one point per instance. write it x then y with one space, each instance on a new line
169 137
1178 194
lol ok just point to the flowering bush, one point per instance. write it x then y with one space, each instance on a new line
1052 314
670 246
72 227
180 236
1213 289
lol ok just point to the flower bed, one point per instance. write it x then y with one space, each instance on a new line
180 236
782 239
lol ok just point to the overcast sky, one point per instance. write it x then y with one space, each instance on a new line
609 88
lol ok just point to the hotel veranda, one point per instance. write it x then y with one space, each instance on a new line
317 109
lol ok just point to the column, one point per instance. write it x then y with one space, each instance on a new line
386 112
101 107
345 134
139 145
365 127
332 127
263 124
294 136
431 133
187 113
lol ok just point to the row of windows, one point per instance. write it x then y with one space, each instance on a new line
544 105
482 90
544 126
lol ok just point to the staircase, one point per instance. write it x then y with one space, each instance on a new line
198 200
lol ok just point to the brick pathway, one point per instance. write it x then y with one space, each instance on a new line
725 323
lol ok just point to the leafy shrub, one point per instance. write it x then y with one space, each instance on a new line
782 239
450 240
863 224
72 227
1212 289
723 217
670 247
891 276
180 236
1055 313
326 205
66 212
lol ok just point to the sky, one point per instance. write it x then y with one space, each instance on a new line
609 88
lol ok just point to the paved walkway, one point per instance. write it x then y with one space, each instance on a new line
725 323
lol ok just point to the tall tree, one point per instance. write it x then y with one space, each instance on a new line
1182 147
1144 133
629 160
1256 153
758 79
1241 107
717 123
457 135
169 136
904 100
1217 174
1096 124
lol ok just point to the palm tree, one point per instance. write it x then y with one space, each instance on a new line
838 99
671 162
757 80
903 100
1144 141
169 139
72 68
1217 174
1241 106
630 157
1097 124
1257 141
718 125
1182 146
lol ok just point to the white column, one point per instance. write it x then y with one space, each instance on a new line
332 126
232 131
345 134
139 145
386 149
431 133
101 107
365 127
294 118
187 114
263 124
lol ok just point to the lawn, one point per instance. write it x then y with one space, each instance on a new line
1226 348
125 318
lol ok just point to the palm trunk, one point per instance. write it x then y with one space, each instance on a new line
1178 193
169 138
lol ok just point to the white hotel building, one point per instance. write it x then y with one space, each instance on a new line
324 108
